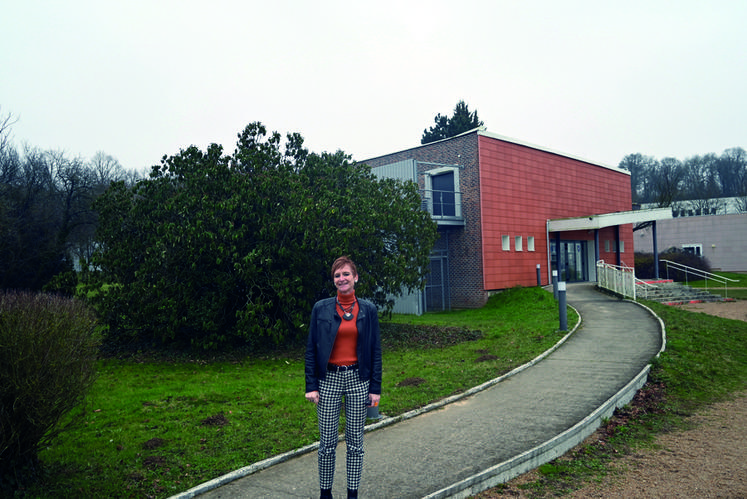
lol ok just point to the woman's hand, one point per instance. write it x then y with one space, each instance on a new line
373 399
313 396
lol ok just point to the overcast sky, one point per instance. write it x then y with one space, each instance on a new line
595 79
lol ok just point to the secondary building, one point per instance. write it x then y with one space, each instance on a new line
721 239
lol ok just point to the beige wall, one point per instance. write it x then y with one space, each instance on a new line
723 238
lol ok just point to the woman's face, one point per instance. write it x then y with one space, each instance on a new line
345 280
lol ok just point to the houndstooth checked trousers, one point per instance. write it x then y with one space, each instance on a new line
331 391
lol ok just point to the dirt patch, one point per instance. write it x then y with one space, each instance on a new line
154 443
725 309
153 462
217 420
411 382
486 358
395 336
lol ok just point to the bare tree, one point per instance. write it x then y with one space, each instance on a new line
701 191
642 169
106 169
729 168
666 183
46 219
6 122
741 198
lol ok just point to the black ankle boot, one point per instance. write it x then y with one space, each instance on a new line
326 494
352 493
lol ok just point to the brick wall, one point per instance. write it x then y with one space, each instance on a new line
464 242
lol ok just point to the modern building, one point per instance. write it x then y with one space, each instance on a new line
721 239
508 212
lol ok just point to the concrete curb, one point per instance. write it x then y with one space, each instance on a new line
545 452
554 447
661 326
260 465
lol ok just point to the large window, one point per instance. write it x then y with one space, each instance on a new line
444 199
442 193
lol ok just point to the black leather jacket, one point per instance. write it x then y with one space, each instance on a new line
322 332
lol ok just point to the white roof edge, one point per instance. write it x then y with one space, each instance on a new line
483 131
608 219
478 129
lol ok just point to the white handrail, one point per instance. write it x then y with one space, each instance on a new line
618 279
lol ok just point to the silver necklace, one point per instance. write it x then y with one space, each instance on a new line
347 314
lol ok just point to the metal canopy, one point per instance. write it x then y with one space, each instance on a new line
608 220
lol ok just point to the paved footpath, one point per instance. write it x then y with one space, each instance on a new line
483 439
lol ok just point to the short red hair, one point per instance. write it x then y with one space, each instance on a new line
340 263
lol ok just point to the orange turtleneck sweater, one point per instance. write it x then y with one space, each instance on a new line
344 351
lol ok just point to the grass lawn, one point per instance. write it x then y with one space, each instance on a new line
156 428
732 290
741 280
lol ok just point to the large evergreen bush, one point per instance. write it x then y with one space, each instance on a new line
48 349
214 251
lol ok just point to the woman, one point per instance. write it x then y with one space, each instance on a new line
343 357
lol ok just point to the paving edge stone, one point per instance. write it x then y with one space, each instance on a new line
556 446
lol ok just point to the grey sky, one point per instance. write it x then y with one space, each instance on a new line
599 80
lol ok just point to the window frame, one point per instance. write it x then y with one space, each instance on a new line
428 178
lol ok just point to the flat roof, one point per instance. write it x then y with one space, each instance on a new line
482 131
608 219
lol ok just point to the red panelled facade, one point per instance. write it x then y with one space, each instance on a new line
507 192
521 188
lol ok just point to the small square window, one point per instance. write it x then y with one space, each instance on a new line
607 245
622 246
518 243
530 243
506 243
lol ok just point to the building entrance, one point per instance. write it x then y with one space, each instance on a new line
572 261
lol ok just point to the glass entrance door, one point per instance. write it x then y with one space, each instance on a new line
572 261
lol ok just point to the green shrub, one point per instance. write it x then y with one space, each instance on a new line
644 264
48 349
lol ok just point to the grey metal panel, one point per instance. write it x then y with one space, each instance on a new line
409 304
402 170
